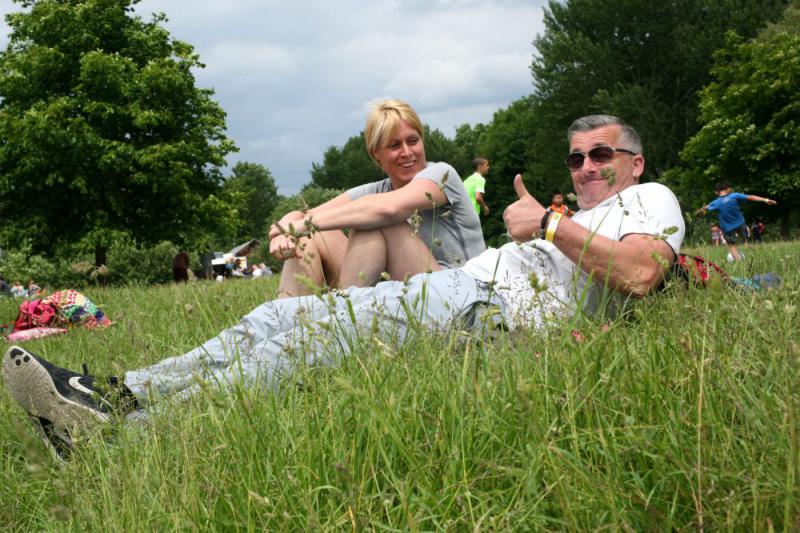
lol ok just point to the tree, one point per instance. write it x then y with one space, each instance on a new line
469 142
346 167
257 197
641 60
102 127
750 127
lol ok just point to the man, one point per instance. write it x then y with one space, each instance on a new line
180 267
476 184
557 205
623 239
730 215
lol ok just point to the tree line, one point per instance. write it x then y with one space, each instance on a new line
104 134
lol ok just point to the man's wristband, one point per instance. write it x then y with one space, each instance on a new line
551 227
545 218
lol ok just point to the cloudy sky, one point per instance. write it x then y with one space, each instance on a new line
297 76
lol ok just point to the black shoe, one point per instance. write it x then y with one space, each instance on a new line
65 404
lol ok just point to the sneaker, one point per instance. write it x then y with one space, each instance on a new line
63 404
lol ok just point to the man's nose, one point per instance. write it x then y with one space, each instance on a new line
587 162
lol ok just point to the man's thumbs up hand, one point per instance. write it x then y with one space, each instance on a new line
523 218
519 186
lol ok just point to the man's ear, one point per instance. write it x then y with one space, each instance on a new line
638 166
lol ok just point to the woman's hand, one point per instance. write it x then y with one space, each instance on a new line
284 236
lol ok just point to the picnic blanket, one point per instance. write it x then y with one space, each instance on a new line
75 308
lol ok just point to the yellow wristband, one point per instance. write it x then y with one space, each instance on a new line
551 226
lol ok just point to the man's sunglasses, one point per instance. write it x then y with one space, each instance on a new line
600 155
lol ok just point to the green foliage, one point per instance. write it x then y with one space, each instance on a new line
128 263
439 147
681 416
788 23
750 123
346 167
22 266
257 197
132 264
470 142
102 127
643 61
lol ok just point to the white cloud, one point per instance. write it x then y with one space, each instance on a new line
296 77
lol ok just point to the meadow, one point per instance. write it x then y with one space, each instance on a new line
680 415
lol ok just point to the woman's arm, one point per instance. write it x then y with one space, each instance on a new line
295 218
378 210
282 243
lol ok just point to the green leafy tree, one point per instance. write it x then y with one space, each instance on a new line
346 167
750 127
469 142
257 197
788 23
641 60
102 127
440 147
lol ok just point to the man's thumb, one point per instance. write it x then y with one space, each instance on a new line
519 186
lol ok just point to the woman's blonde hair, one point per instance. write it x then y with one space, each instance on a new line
383 120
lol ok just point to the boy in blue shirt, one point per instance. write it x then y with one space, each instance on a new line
730 216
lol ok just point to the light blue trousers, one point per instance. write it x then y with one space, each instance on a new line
310 330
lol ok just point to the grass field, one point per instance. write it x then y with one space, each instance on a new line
682 415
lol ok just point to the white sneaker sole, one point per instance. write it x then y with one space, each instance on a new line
31 386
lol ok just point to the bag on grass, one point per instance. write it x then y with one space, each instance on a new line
35 314
697 270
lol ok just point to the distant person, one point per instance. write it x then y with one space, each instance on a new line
33 289
476 185
206 259
730 215
716 236
180 267
5 288
18 291
557 205
444 231
757 230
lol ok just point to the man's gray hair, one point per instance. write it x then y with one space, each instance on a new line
629 139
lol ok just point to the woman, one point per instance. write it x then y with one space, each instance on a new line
418 219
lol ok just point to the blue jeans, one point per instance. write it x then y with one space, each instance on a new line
310 330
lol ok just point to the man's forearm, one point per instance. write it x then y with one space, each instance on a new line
634 265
